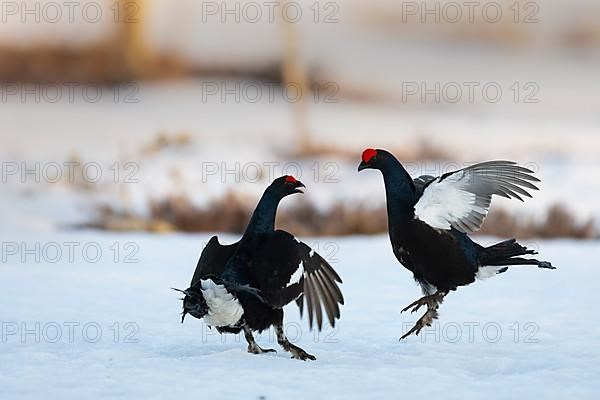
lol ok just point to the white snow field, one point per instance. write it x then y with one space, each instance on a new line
77 329
91 315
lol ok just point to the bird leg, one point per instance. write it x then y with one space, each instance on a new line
296 351
432 302
252 346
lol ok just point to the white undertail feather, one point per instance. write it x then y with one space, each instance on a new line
223 308
488 271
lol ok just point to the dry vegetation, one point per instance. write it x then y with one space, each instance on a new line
165 140
231 214
121 57
559 222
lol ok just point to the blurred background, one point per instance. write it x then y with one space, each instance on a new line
131 131
163 115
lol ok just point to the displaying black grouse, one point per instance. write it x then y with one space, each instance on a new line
244 286
429 219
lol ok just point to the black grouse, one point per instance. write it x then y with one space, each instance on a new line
429 219
244 286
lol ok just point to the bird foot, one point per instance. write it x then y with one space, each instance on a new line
425 320
296 351
256 349
299 354
432 301
253 348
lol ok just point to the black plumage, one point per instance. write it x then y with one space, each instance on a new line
256 273
429 219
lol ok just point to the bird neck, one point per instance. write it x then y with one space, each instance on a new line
263 218
399 192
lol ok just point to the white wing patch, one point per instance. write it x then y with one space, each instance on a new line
299 273
223 308
462 199
446 201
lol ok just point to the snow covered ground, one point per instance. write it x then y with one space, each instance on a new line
107 326
87 314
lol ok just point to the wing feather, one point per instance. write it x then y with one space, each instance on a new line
462 199
331 277
314 297
331 307
320 287
317 286
212 260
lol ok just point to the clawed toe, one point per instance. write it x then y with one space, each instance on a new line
268 350
302 355
414 305
432 302
425 320
260 350
297 352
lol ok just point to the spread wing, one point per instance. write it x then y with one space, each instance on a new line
461 199
213 259
276 261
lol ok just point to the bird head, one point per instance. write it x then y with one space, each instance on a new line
286 185
395 175
372 159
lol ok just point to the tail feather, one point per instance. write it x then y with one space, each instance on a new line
507 253
193 303
184 312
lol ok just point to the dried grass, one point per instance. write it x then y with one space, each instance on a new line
165 140
231 214
559 222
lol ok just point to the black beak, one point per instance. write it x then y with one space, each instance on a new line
363 165
298 186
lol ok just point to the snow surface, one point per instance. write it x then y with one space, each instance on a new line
555 356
